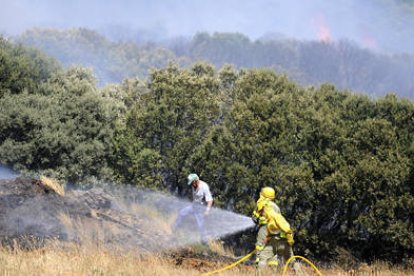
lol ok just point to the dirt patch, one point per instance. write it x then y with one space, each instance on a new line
205 260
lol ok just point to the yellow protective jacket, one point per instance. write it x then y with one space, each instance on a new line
276 223
258 213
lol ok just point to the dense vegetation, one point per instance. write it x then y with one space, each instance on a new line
51 119
341 63
342 163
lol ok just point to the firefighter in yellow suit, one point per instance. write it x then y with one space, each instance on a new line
274 237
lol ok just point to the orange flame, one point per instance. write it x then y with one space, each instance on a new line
324 34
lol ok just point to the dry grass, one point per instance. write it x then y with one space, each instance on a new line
64 259
72 261
217 246
156 217
53 185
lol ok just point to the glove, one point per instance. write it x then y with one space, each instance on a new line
289 238
259 247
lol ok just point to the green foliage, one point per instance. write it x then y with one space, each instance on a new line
341 163
65 129
22 68
170 121
336 160
134 163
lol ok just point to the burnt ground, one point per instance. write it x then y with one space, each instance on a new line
32 213
206 260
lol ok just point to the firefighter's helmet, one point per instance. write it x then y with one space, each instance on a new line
268 192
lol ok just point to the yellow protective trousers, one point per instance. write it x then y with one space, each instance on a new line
271 249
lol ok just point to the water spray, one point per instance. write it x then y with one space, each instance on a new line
117 217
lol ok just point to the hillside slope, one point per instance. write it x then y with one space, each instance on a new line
32 211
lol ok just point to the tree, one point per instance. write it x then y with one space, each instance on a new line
65 129
23 68
171 121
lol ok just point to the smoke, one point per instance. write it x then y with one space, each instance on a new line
376 24
218 224
109 216
6 173
158 212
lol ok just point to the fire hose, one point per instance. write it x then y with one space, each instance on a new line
304 259
231 265
252 252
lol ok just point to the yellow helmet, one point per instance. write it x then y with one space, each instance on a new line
268 192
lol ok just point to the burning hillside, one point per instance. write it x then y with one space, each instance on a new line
34 210
115 217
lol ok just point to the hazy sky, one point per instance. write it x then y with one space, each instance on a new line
375 24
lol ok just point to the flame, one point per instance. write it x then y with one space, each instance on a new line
324 34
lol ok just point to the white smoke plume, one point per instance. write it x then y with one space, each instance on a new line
384 25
